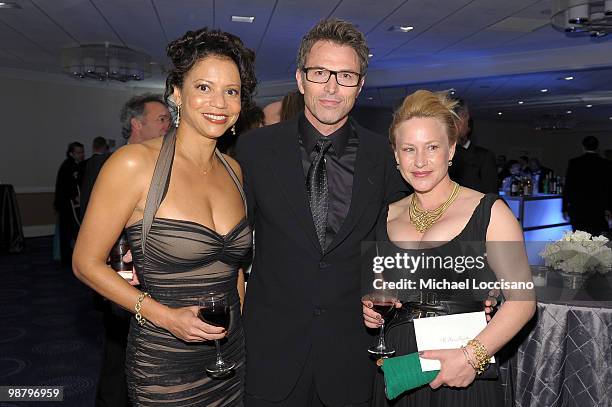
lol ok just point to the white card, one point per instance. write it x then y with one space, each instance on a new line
447 332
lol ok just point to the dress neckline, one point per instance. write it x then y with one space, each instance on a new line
193 223
470 220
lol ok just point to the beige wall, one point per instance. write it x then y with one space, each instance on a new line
40 118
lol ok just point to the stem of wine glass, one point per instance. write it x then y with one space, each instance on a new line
219 358
381 337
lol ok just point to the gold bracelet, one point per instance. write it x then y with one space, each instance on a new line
468 359
481 354
139 318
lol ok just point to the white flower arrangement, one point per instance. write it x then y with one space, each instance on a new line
579 252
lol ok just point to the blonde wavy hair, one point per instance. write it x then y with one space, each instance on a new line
422 104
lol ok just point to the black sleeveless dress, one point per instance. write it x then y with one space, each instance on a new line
183 261
482 392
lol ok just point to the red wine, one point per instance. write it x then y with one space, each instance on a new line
215 316
383 308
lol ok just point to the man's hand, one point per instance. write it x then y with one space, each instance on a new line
128 259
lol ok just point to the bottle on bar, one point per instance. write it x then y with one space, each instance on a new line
527 186
514 187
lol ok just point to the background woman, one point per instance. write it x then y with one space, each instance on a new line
191 198
423 135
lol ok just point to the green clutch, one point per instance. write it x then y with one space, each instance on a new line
404 373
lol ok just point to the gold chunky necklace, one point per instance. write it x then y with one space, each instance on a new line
423 219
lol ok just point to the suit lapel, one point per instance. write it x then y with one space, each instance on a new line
364 184
289 174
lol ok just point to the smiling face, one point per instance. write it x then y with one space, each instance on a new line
328 104
210 96
422 151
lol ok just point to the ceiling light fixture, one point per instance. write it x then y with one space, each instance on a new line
520 102
105 62
569 78
569 112
499 113
9 4
589 105
543 90
370 55
579 17
401 28
243 19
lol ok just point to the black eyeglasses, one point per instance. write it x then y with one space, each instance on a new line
322 75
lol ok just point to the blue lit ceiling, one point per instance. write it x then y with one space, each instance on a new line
493 52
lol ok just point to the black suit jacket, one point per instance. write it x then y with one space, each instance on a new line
474 167
588 192
301 303
93 165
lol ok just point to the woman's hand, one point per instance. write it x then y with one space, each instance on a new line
185 324
371 318
454 371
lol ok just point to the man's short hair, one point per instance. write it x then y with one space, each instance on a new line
72 146
340 32
134 108
99 143
590 143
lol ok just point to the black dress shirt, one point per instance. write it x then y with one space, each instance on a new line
340 166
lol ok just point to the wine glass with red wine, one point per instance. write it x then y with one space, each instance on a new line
383 303
214 309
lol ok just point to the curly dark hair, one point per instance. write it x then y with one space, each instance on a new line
195 45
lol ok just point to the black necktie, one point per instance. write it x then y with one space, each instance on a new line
316 185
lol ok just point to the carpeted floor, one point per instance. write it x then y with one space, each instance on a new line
49 332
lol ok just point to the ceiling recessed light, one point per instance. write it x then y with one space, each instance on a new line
499 113
610 117
568 78
401 28
543 90
370 55
589 105
9 4
242 19
520 102
569 112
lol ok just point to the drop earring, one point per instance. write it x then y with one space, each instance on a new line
178 116
234 130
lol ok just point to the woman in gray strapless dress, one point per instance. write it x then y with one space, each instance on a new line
182 205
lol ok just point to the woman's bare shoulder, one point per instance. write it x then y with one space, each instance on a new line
135 157
398 207
470 196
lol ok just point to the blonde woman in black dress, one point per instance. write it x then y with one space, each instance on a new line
182 206
438 218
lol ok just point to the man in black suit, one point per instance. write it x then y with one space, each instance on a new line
473 166
315 186
588 189
143 117
67 199
92 167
